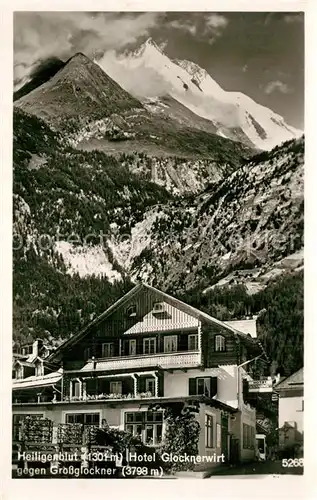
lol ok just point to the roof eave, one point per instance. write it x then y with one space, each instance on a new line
196 313
81 333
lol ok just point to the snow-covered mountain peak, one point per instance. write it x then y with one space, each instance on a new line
149 72
192 69
149 45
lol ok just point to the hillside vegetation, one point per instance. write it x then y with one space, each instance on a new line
88 224
280 310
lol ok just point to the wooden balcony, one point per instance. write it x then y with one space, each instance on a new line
93 398
184 359
145 385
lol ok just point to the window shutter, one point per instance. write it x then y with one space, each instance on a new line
107 386
125 347
245 389
213 386
141 384
139 345
125 385
192 387
161 385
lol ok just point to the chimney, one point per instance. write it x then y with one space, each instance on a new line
37 345
94 362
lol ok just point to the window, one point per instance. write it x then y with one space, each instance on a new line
149 346
39 369
251 436
150 385
131 311
132 347
134 417
26 350
220 343
87 353
75 389
154 416
158 307
147 425
209 431
134 429
116 387
19 371
218 436
193 342
107 350
170 343
83 418
248 436
203 386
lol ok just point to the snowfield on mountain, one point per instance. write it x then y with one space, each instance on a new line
234 115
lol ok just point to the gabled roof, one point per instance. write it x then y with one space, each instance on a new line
38 381
23 363
33 358
17 355
294 381
196 313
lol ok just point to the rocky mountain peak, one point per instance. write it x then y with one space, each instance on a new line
79 56
77 94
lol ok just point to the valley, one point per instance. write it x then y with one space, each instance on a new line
111 188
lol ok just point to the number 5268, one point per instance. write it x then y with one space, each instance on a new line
292 462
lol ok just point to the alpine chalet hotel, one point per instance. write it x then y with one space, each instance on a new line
148 347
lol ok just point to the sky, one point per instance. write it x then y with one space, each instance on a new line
258 53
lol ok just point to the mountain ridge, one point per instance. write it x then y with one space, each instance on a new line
43 72
191 226
249 220
109 189
78 82
93 112
235 115
147 233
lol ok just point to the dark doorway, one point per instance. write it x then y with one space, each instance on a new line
234 457
224 436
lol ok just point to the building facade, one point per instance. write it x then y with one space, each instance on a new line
149 348
291 410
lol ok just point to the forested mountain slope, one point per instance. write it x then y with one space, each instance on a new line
109 190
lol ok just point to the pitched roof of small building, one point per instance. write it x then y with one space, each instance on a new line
293 381
38 381
21 362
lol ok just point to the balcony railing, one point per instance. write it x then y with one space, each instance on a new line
184 359
91 398
109 397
